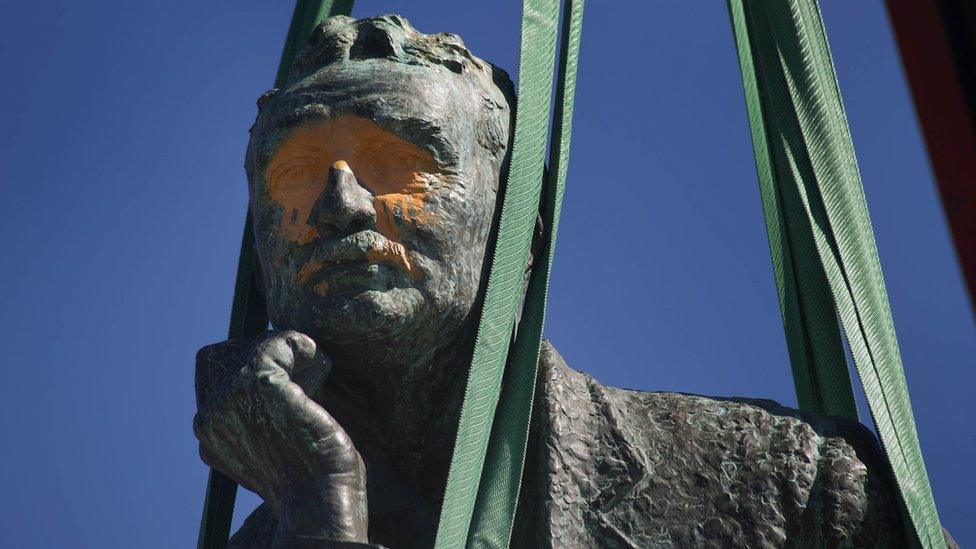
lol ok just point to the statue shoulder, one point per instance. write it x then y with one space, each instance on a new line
639 469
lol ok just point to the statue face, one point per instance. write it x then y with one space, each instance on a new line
372 200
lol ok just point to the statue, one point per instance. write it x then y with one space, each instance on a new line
372 184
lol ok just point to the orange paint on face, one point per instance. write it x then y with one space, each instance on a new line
395 253
409 206
396 171
393 169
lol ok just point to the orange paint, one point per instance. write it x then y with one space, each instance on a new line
397 172
321 288
409 206
393 169
395 253
308 270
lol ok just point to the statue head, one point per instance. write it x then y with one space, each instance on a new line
372 182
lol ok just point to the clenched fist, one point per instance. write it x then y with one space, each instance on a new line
258 424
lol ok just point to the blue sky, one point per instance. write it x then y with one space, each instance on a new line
123 191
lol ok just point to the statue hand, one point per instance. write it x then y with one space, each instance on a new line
257 424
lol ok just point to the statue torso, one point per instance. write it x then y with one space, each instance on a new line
621 468
610 467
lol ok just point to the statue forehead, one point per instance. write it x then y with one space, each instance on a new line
431 108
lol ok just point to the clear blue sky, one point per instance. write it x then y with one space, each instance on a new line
124 128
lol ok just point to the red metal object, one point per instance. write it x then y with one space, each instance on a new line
937 40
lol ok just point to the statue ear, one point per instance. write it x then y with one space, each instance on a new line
265 98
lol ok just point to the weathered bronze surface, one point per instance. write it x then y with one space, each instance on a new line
372 183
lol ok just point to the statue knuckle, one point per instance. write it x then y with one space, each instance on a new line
265 381
288 334
299 343
264 386
270 353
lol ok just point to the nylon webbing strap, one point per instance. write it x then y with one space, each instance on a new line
820 373
823 248
249 315
494 512
519 208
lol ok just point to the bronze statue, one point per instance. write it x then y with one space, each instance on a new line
372 183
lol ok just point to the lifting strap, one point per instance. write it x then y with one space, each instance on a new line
497 501
519 209
249 314
824 256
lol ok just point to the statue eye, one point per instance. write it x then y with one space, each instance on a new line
292 173
296 171
405 160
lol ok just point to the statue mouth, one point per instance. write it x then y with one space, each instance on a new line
365 260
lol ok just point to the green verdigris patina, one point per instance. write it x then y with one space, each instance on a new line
373 180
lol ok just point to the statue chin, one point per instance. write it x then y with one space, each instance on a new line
369 315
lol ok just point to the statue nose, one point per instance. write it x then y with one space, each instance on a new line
345 207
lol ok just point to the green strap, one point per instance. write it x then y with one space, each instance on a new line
820 373
519 208
494 512
307 14
249 315
823 248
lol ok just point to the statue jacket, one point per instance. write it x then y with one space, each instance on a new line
617 468
611 467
